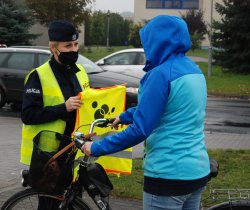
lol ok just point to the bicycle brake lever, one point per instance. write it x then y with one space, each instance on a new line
78 136
88 136
79 143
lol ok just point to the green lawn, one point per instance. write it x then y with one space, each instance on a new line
199 53
226 84
233 173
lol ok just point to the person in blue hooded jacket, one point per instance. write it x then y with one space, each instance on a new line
170 116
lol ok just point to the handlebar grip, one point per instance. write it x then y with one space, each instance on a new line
111 120
104 124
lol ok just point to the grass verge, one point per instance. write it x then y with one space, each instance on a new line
198 53
226 84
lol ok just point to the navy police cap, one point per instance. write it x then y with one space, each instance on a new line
62 31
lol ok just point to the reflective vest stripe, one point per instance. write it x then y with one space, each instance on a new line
52 95
117 171
122 154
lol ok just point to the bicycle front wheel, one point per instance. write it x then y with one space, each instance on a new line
29 199
235 205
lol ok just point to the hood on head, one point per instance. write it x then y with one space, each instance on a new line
163 36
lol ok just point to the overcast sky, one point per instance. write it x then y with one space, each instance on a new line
114 5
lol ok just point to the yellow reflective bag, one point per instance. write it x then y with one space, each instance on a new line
105 103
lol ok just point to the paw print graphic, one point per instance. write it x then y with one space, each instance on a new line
103 111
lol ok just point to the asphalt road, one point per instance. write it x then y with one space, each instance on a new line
222 115
228 115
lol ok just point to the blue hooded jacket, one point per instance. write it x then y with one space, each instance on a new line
171 107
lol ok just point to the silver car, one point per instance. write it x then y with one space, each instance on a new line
128 61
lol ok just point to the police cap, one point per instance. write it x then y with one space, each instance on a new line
62 31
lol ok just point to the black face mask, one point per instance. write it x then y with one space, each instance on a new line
68 58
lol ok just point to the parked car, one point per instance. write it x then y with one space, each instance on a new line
3 45
16 62
128 61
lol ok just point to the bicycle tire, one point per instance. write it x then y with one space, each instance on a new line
234 205
28 199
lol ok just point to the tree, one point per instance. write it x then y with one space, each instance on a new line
97 32
119 29
125 32
15 24
98 26
231 36
134 36
87 32
196 26
74 11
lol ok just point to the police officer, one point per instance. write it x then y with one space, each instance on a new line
50 94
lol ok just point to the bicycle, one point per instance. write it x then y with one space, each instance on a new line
98 188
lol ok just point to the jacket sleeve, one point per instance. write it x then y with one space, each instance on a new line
33 111
127 116
153 100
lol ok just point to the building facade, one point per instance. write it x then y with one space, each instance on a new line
147 9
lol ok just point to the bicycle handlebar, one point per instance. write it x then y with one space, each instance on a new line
80 138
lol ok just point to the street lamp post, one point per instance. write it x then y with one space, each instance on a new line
108 15
209 70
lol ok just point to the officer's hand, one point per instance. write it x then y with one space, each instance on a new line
86 148
73 103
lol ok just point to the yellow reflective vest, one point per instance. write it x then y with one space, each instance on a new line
52 95
104 103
